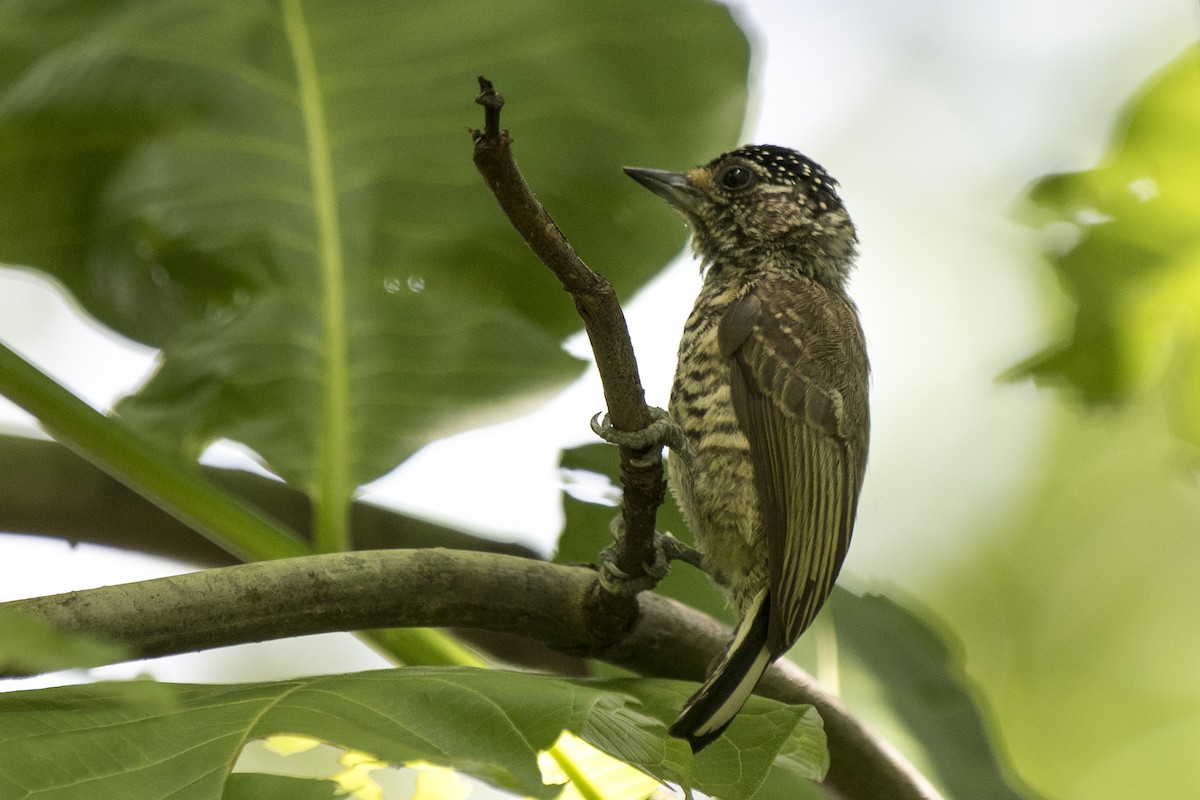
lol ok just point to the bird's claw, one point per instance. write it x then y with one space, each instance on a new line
661 432
666 549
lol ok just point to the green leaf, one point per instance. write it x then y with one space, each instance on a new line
1129 254
280 195
785 783
917 669
750 750
30 646
787 741
72 742
804 755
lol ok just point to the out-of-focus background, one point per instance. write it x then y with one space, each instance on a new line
1059 543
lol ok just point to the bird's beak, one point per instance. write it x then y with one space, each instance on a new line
673 187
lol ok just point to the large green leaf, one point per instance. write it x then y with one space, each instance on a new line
279 193
73 742
1129 254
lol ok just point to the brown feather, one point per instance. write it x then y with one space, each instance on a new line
798 382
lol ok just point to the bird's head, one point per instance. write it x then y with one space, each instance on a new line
761 206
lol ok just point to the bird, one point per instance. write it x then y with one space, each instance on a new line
771 393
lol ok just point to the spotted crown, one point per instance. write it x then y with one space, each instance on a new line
785 167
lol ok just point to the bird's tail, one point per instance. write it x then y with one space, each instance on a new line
710 710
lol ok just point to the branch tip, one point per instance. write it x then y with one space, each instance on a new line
604 321
492 101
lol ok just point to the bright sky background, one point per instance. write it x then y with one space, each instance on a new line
934 115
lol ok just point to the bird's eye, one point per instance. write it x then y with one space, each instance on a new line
736 178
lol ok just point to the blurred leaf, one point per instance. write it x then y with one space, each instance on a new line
1129 254
281 196
918 671
1077 612
251 786
71 742
30 646
586 530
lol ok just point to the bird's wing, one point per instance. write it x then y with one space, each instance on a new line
798 382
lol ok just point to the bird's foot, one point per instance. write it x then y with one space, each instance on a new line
666 549
661 432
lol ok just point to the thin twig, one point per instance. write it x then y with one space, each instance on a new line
596 301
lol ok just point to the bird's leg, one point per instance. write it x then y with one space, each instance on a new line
661 432
666 549
676 550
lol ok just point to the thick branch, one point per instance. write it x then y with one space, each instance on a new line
596 301
439 588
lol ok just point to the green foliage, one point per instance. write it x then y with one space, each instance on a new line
1084 600
74 742
280 196
1129 255
1077 617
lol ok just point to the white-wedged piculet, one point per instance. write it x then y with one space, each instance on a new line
771 392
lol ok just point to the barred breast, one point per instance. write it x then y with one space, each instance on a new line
716 490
